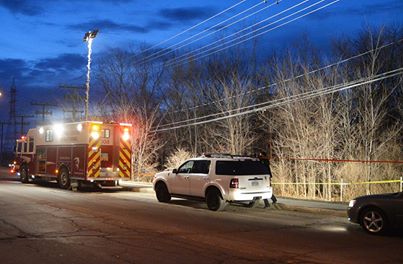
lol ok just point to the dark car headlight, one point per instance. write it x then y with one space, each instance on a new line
351 203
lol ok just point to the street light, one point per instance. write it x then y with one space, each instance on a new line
88 37
90 34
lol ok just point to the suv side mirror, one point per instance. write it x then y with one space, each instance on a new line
175 171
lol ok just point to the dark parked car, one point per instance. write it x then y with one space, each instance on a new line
377 213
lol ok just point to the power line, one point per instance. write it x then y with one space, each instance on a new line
211 51
279 102
169 49
237 32
195 26
74 99
287 100
44 111
22 123
293 78
219 42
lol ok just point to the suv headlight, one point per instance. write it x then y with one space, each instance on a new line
351 203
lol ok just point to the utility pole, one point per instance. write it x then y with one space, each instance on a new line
22 123
12 115
2 123
75 101
44 112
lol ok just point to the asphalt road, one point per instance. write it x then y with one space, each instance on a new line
43 224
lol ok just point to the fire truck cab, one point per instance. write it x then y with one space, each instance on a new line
89 151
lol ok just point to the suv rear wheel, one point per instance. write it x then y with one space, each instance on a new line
214 200
162 193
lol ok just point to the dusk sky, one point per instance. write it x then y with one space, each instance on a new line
42 47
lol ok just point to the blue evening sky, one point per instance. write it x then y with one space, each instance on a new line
41 40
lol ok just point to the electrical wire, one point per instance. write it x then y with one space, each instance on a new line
282 101
183 56
250 106
293 78
169 49
259 34
195 26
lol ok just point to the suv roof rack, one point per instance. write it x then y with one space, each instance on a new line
225 155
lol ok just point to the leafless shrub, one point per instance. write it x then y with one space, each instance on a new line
177 158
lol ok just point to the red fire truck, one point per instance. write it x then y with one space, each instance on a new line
81 152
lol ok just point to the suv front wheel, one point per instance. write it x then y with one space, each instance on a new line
214 200
162 193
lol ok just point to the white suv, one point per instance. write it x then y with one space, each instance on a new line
217 179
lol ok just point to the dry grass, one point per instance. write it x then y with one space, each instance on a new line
353 174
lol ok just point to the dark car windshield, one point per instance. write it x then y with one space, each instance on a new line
238 167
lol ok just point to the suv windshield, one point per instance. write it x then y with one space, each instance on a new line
238 167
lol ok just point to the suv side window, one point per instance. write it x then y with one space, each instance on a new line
201 166
186 167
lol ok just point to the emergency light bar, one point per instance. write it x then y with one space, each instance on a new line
125 124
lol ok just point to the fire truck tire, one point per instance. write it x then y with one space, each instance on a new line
24 174
64 179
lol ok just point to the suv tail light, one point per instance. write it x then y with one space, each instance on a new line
234 183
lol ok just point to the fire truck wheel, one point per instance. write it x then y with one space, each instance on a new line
24 174
64 179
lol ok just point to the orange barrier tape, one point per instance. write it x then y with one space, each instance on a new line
335 183
346 160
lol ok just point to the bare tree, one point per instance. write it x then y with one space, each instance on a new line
131 95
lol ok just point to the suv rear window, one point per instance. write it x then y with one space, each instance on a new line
238 167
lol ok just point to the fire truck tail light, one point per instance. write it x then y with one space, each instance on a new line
56 171
126 134
79 127
95 132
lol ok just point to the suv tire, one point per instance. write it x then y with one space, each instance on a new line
161 191
214 200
